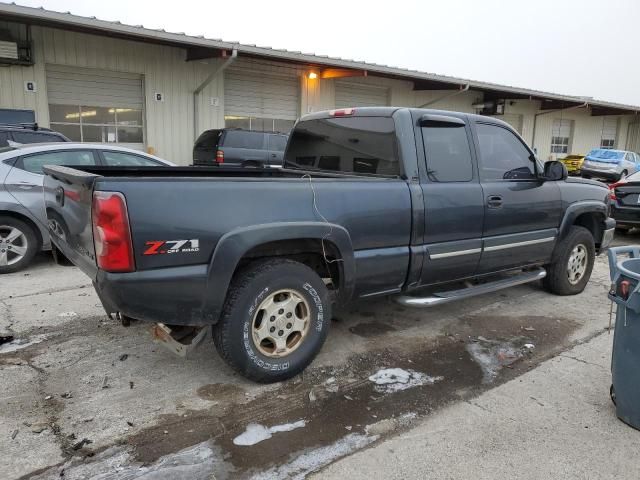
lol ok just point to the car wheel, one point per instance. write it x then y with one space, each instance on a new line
572 263
275 320
18 244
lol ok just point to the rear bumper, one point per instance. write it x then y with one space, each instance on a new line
169 295
609 175
626 216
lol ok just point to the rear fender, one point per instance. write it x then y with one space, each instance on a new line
233 246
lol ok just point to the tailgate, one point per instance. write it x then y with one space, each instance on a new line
68 198
628 194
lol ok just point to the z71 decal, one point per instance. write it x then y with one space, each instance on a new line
158 247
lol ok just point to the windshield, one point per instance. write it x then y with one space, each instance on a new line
601 153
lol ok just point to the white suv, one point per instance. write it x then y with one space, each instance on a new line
610 164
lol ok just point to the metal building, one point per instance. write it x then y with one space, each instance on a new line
99 81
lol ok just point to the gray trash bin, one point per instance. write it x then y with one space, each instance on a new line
625 358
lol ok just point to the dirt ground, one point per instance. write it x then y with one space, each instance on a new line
84 396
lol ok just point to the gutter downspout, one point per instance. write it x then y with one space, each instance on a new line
203 85
448 95
536 115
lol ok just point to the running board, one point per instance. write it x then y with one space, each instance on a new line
452 295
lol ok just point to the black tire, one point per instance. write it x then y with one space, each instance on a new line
30 241
233 334
557 279
251 165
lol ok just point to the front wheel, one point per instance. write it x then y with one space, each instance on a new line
572 263
275 320
18 244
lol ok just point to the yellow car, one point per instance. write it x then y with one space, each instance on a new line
573 163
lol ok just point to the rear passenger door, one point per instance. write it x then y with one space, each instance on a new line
25 180
453 202
244 148
521 212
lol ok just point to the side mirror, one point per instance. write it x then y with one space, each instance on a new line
555 171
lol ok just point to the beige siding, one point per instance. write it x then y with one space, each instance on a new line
168 124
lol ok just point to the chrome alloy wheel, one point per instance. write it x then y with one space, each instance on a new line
577 265
13 245
281 323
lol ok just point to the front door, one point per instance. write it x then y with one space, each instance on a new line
521 212
453 202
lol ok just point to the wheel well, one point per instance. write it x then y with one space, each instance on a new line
593 222
322 256
28 221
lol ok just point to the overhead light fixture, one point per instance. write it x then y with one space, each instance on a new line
313 75
89 113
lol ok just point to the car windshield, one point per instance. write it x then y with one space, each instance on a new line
601 153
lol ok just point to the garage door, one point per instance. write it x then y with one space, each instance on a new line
633 140
262 101
90 105
351 94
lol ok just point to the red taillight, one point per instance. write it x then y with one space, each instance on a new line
111 235
612 188
219 156
342 112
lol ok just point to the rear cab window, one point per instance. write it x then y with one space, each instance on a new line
365 145
243 139
447 152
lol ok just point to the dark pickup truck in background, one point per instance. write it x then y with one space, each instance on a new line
372 201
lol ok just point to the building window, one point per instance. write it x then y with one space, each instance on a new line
609 131
560 136
98 124
259 124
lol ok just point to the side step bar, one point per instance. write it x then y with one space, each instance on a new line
452 295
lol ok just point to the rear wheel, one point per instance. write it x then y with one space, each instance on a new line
573 259
275 320
18 244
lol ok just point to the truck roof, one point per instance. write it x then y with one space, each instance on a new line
389 111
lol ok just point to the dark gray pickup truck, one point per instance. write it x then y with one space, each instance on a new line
430 206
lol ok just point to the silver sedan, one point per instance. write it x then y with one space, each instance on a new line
23 221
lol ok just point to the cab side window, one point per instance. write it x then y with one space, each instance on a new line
503 156
447 151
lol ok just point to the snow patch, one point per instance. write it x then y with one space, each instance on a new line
312 460
256 433
392 380
20 343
